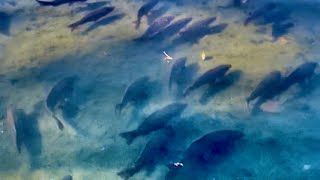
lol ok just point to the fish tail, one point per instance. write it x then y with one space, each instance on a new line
59 122
129 136
45 3
127 173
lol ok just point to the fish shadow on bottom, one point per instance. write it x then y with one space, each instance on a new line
226 82
28 133
104 22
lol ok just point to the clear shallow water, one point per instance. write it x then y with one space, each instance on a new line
41 50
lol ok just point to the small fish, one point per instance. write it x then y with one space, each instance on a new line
156 121
144 10
135 93
173 28
157 26
203 56
211 76
59 94
159 145
299 75
208 150
197 26
58 2
93 16
268 87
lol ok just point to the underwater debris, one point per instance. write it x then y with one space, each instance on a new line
203 56
167 57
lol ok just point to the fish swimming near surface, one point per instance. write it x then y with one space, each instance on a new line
156 121
155 152
61 93
144 10
93 16
135 93
206 151
173 28
260 12
58 2
157 26
299 75
5 22
211 76
177 69
267 87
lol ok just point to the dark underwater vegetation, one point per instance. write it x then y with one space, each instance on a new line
159 89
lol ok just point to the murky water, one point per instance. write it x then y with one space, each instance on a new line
69 95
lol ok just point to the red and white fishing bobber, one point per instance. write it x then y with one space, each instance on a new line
167 57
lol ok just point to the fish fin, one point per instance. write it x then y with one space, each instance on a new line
127 173
59 122
129 136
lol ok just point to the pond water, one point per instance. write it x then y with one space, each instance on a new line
159 89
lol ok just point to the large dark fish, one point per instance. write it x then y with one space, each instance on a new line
135 93
144 10
208 77
197 27
174 28
93 16
5 21
208 150
155 121
299 75
59 95
176 70
58 2
269 86
157 26
155 152
260 12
